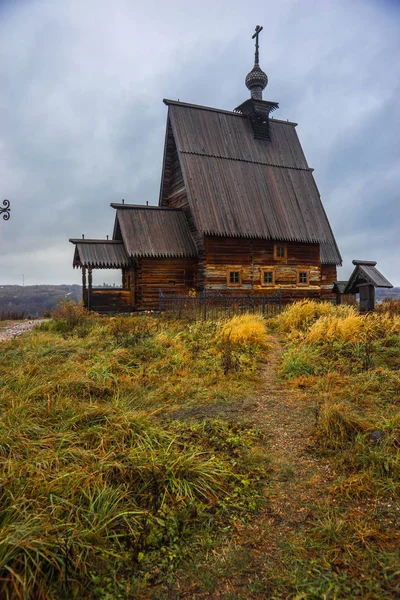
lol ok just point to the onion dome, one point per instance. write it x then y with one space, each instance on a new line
256 81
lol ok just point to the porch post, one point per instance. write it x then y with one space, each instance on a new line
132 279
89 306
84 290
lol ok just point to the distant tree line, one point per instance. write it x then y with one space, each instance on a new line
392 294
34 300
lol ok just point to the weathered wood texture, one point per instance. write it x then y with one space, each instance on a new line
105 300
250 256
174 195
171 276
328 276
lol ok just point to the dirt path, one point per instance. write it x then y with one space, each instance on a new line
287 418
14 328
297 487
255 560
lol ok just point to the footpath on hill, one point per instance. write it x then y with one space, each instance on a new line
256 557
287 417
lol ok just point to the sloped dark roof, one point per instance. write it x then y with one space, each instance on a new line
101 254
240 186
365 272
339 286
152 231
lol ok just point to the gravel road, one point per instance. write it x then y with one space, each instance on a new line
15 328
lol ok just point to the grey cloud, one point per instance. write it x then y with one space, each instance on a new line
82 85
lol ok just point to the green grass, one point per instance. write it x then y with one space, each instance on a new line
103 490
128 469
352 548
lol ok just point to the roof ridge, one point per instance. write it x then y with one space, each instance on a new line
143 206
254 162
220 110
201 107
93 241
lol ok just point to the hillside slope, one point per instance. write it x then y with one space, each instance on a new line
34 300
143 457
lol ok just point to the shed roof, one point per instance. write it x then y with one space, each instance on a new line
339 286
151 231
365 272
246 187
100 254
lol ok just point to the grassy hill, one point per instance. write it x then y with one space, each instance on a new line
144 457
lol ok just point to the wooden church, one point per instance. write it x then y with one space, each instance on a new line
239 212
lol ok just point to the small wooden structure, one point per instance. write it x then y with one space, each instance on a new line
364 279
342 298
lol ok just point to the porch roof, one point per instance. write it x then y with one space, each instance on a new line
153 231
100 254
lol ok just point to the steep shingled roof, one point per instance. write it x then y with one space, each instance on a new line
246 187
151 231
100 254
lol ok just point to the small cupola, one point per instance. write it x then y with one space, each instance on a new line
255 108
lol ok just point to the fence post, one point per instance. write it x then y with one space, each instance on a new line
204 304
263 305
280 299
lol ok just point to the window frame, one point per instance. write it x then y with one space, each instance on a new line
267 270
228 276
307 272
276 246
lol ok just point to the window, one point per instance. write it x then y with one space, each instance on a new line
234 278
267 276
302 277
280 252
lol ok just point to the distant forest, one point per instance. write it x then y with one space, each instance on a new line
392 293
34 300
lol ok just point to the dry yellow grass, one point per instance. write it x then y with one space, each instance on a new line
332 327
245 330
301 315
352 328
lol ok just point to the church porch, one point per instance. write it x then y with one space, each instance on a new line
105 254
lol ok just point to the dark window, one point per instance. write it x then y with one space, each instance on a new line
234 276
303 277
268 277
280 251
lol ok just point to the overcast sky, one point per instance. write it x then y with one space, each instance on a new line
83 123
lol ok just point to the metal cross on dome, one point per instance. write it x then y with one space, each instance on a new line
6 210
259 29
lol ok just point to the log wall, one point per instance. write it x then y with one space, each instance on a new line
169 275
249 256
106 300
328 276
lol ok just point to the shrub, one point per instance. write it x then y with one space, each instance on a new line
68 316
244 330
